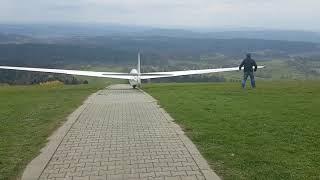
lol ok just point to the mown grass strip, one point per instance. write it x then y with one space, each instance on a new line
271 132
28 115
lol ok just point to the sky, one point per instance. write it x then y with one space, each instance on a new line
269 14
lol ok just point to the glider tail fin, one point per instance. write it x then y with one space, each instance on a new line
139 64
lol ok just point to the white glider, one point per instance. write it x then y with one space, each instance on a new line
134 76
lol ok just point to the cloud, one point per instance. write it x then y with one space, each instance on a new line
178 13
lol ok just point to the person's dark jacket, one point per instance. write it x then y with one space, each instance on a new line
248 63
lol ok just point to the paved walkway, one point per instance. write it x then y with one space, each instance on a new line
119 133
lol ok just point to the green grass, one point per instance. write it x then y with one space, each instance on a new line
271 132
28 115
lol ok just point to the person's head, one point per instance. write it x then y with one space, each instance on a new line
248 55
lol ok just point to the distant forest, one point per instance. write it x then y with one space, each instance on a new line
156 50
29 78
122 51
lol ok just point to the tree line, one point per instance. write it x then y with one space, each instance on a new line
28 78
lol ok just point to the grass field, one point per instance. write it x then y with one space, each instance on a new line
271 132
28 115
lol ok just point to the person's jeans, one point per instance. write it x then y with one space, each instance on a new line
245 77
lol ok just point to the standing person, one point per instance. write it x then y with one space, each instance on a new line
248 63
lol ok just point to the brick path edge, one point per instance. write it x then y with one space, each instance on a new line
35 168
196 155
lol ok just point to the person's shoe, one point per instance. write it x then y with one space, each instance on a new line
253 84
243 84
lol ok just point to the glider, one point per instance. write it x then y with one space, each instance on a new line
135 76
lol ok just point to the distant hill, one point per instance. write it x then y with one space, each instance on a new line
270 35
110 30
61 30
14 39
156 50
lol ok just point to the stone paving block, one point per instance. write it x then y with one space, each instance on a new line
154 169
58 175
98 177
65 178
116 177
178 173
81 178
131 176
90 173
173 178
193 173
189 177
169 168
163 173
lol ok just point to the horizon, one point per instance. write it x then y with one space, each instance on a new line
150 27
189 15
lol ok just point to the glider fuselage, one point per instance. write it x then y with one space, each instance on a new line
135 81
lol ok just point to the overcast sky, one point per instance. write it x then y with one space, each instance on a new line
271 14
